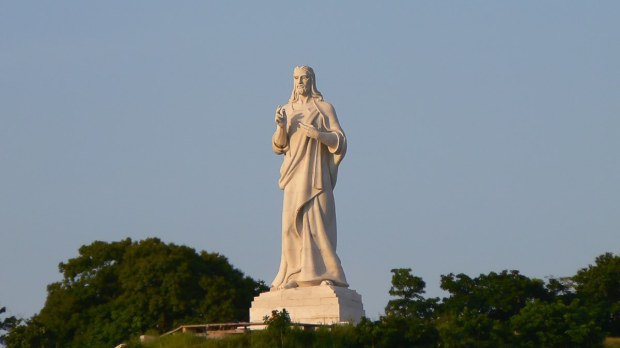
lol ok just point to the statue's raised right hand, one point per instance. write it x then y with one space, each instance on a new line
281 117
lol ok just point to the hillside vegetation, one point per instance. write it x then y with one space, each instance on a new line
114 292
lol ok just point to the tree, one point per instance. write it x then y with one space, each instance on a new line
409 317
599 285
112 291
28 334
367 333
6 325
278 325
561 289
478 311
499 295
557 325
408 290
469 328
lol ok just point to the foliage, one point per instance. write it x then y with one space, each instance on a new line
557 325
561 289
478 311
498 295
504 309
599 285
340 336
31 333
409 317
367 333
180 340
278 325
113 291
468 329
409 302
6 325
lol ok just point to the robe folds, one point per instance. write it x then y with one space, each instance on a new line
308 177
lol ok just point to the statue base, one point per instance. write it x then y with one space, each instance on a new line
322 304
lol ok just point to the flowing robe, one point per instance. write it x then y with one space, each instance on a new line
308 177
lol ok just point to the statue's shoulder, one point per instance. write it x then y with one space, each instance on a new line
325 107
323 103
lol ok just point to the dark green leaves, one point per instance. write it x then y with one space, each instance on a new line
113 291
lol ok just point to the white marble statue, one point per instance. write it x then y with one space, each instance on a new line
313 144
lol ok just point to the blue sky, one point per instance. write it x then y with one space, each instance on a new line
483 135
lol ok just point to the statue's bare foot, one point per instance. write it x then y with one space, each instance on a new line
289 285
327 282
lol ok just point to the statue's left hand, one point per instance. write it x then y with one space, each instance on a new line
309 130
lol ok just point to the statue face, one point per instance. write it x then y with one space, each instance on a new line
302 82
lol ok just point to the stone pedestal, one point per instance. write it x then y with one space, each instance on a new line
323 304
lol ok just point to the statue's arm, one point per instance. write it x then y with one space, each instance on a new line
334 138
329 139
279 140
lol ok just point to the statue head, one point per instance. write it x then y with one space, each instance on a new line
304 83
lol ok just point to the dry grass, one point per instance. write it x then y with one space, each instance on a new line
612 342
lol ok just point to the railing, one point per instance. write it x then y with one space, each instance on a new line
230 327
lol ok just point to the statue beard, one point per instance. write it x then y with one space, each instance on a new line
303 90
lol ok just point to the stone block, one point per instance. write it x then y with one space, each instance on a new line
322 304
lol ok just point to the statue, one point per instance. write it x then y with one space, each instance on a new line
313 144
310 283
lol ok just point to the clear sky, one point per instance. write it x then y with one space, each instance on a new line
483 135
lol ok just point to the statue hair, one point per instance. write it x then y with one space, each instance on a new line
314 92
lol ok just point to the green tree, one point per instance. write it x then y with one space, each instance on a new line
561 289
409 301
6 325
367 333
499 295
557 325
469 328
112 291
409 317
29 334
478 311
599 285
278 326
